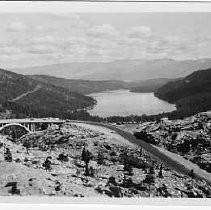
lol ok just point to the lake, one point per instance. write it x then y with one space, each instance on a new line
124 103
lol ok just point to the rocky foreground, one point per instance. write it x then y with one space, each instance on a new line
190 138
50 163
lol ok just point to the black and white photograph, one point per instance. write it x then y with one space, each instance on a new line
105 100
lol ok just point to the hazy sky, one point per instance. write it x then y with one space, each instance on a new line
32 39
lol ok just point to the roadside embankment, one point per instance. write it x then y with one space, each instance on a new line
170 159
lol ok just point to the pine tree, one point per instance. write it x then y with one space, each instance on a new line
100 158
128 172
160 174
8 155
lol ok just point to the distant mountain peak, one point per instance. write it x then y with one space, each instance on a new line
120 69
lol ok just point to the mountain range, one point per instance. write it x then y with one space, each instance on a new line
120 69
93 86
178 82
81 86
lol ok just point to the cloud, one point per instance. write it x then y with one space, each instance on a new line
41 49
72 20
16 27
69 42
139 32
72 16
103 31
39 28
9 50
174 47
43 39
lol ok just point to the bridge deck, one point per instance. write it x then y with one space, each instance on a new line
31 120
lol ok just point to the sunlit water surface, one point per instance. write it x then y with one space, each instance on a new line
124 102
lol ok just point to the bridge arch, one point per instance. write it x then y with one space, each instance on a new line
10 125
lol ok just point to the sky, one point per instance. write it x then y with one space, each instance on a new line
35 36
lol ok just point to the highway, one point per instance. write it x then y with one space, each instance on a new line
171 160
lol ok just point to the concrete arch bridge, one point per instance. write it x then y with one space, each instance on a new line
18 127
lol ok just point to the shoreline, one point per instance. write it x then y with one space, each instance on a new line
92 95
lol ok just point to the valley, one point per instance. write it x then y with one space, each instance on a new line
98 103
142 159
75 96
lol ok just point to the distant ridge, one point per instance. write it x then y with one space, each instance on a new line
93 86
81 86
120 69
191 94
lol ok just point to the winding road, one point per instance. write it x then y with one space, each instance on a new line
171 160
25 94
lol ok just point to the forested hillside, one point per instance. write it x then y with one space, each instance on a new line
93 86
81 86
13 85
46 100
191 94
150 85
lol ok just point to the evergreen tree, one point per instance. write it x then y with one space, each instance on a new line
100 158
8 155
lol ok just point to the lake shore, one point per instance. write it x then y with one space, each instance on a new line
125 103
